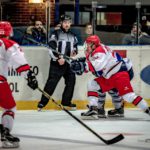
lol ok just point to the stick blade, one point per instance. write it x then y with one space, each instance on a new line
115 140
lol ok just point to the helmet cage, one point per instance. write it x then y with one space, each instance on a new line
5 29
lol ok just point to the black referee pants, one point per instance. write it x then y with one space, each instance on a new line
55 73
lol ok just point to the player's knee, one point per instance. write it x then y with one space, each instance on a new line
93 86
129 97
9 112
103 95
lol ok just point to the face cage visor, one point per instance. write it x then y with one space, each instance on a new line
88 48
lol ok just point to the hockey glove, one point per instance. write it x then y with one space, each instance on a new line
81 59
78 66
32 82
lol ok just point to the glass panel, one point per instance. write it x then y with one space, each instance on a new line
109 18
84 18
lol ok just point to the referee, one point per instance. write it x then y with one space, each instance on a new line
65 42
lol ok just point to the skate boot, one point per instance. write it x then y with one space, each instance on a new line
101 113
40 106
91 114
147 111
8 141
70 107
116 112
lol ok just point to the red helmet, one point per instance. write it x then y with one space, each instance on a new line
5 28
93 39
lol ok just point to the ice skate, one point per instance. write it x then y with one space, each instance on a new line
116 112
71 107
147 111
40 106
8 141
91 114
101 113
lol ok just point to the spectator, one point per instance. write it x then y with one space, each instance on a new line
130 39
57 26
88 29
36 32
65 42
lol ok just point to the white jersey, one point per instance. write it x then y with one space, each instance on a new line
103 61
128 63
11 55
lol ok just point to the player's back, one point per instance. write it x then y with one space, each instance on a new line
5 46
106 61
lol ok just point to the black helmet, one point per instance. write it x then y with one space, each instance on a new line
65 17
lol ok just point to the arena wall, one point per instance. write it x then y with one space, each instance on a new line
38 58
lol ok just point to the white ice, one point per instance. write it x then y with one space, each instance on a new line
56 130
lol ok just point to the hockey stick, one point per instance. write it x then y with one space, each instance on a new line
108 142
67 58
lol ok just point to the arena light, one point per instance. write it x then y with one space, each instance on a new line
35 1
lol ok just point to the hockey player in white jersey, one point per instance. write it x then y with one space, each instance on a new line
11 55
117 100
110 73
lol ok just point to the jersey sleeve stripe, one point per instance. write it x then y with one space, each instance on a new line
23 68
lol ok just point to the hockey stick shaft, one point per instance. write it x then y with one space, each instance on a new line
67 58
108 142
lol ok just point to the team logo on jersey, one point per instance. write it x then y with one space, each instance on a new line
126 88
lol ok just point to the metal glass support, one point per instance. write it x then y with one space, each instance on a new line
138 7
94 5
47 5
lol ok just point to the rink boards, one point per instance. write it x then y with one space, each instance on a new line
38 58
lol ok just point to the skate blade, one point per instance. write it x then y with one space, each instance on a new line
70 108
39 109
94 117
7 144
117 116
102 116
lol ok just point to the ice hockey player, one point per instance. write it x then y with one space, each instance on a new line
110 73
117 100
11 55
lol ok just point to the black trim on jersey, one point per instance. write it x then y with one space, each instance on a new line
54 44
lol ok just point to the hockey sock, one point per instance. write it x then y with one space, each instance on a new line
136 100
8 119
116 99
101 100
140 102
93 98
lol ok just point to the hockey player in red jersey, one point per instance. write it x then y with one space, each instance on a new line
11 55
110 73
